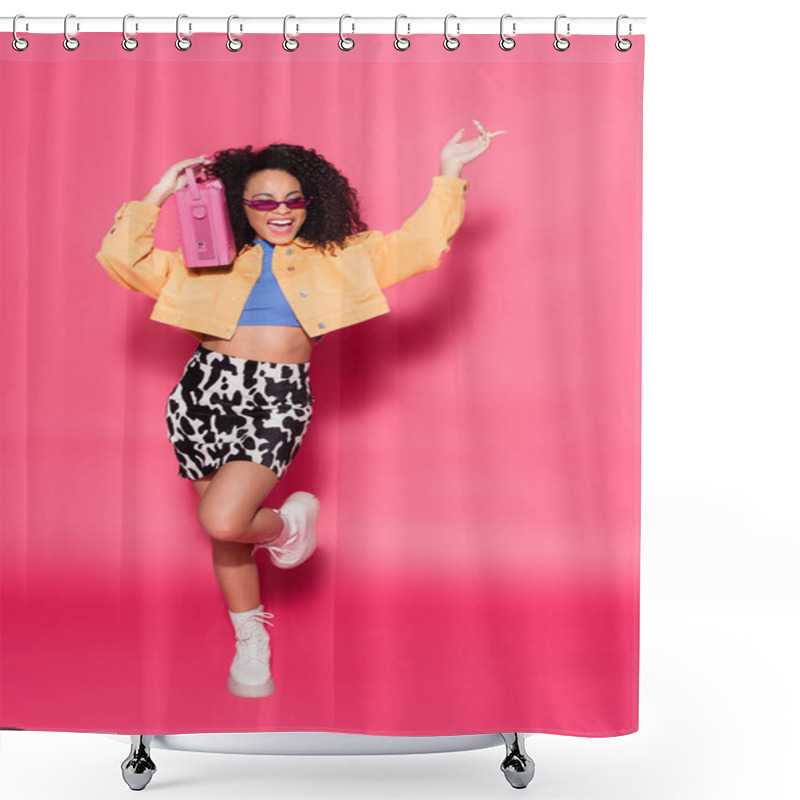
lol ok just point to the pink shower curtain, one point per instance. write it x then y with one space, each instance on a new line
476 451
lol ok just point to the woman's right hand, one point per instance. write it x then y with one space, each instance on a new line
172 180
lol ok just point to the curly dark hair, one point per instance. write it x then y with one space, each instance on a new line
332 216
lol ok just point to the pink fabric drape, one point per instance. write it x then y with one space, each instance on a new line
476 451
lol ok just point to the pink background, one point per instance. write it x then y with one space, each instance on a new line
476 451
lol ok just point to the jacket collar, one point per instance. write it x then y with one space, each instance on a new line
304 243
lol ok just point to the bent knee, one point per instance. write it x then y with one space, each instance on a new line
220 526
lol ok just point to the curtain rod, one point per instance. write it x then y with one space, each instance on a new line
407 26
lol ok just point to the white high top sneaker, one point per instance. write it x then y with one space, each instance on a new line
250 675
298 539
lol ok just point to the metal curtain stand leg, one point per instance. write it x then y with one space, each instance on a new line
517 766
138 768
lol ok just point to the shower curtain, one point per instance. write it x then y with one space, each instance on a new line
475 450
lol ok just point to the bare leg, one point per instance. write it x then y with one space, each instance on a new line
237 574
230 513
230 505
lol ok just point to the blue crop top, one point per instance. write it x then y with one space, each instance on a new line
267 305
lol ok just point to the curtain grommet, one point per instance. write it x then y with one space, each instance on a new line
233 44
128 42
345 42
623 45
451 42
290 44
506 42
400 42
561 43
181 42
18 43
70 42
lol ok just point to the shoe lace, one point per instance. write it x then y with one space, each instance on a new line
286 546
252 625
251 636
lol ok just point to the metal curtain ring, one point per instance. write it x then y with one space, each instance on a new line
450 42
623 45
345 43
70 42
233 44
289 43
506 42
182 43
18 43
560 43
400 42
128 42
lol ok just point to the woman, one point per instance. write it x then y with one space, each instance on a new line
241 409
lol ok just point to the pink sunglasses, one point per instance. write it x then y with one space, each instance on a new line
271 205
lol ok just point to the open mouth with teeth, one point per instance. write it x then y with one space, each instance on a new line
279 226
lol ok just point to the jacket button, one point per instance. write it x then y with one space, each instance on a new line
304 294
288 251
291 269
322 325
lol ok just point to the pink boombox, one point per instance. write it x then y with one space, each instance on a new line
204 223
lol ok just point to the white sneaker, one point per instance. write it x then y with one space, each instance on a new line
298 540
250 675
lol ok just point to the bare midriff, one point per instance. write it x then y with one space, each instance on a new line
280 344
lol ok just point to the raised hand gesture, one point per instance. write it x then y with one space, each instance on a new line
456 154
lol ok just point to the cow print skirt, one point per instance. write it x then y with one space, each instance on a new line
235 409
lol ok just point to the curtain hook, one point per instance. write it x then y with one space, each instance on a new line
18 43
295 43
623 45
345 42
400 42
561 43
128 42
506 42
70 42
233 44
450 42
182 43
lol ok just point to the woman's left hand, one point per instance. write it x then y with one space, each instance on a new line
456 154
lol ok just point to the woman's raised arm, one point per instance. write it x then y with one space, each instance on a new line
425 236
127 253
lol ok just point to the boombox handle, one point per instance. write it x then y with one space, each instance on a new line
192 183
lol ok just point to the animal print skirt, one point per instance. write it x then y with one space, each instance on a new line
234 409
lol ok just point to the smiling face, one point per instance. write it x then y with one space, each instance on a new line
274 184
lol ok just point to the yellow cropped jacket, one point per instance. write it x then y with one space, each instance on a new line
325 290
